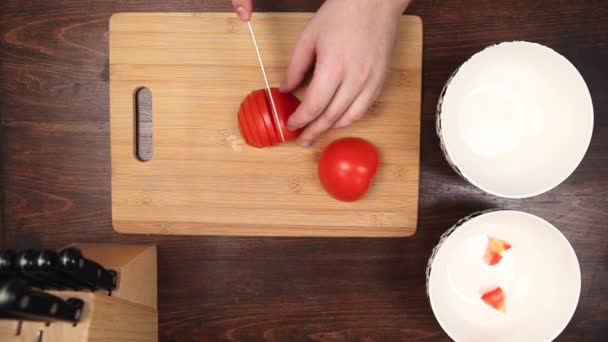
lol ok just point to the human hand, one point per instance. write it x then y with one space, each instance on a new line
351 42
243 8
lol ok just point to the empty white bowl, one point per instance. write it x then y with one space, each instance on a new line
515 120
539 275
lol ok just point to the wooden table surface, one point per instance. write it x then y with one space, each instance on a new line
55 166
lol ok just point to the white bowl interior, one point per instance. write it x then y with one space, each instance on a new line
539 275
517 119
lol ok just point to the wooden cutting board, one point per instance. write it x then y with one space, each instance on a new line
202 177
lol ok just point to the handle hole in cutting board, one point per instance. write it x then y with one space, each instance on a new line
143 124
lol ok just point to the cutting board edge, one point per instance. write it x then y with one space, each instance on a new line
131 227
116 15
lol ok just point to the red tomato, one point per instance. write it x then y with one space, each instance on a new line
259 127
268 122
286 104
254 127
494 250
495 299
347 167
245 124
258 121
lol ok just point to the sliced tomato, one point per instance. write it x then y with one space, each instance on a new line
286 104
253 126
494 250
492 258
265 112
258 120
263 97
495 299
260 126
245 125
251 138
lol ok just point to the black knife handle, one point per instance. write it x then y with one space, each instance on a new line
7 259
17 300
73 263
9 268
26 263
47 263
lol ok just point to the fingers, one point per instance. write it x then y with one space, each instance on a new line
325 81
243 8
361 104
359 107
347 92
301 61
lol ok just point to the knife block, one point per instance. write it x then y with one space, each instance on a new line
128 314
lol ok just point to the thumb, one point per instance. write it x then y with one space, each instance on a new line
243 8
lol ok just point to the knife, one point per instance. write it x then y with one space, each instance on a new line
27 266
6 264
9 269
274 108
45 267
73 264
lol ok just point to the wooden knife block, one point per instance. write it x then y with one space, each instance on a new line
129 314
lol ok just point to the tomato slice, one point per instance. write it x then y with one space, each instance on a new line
262 102
492 258
253 126
494 250
495 299
286 104
245 125
258 121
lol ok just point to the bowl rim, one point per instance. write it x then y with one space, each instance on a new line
462 222
464 174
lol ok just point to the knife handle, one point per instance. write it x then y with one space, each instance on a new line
18 301
74 264
47 262
7 258
9 268
26 263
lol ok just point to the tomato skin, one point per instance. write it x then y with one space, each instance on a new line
286 104
494 250
251 129
256 114
496 299
347 166
258 122
244 123
268 122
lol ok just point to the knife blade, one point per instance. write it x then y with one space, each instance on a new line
274 108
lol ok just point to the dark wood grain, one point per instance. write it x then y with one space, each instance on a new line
56 176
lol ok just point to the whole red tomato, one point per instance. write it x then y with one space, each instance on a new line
347 167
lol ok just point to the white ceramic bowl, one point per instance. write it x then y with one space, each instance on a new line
539 275
515 120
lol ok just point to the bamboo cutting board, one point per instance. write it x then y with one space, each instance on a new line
202 177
